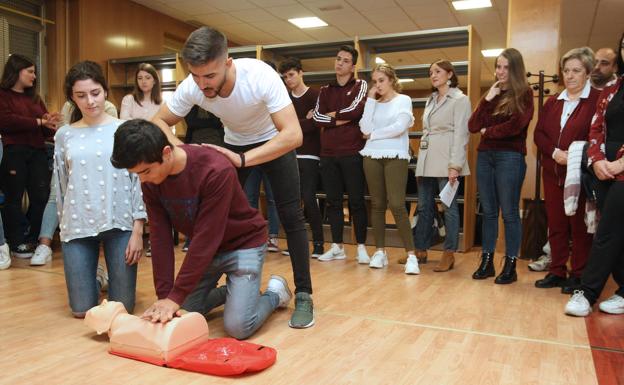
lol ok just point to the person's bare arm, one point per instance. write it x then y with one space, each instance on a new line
165 119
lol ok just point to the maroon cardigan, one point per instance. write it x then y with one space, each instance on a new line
18 120
548 136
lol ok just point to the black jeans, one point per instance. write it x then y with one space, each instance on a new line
24 168
607 252
309 177
340 174
284 178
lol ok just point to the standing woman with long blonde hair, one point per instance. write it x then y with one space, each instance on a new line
502 118
385 124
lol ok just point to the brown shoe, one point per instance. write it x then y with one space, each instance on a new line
447 261
421 256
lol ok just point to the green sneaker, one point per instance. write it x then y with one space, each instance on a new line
303 316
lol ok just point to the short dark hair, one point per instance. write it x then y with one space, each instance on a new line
291 63
14 65
82 71
351 50
203 45
138 141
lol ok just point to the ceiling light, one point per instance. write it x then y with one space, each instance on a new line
405 80
379 60
461 5
494 52
308 22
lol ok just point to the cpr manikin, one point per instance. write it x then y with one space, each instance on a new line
133 337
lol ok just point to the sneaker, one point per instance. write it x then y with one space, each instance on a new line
148 250
272 245
286 253
23 250
411 265
613 305
362 255
186 245
379 260
334 252
318 250
102 277
540 264
278 285
5 257
42 255
578 305
303 316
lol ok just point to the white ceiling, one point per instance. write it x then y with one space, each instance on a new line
596 23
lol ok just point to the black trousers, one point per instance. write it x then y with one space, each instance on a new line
283 175
24 168
607 253
340 174
309 177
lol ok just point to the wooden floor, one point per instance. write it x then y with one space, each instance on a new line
372 327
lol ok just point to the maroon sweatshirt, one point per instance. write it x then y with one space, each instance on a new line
549 136
311 134
348 103
502 132
206 202
18 120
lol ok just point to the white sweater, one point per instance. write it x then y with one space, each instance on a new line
388 125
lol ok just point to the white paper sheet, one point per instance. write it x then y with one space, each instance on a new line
448 192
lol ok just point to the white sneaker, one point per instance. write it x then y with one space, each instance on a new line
541 264
102 277
411 266
5 257
334 252
613 305
42 255
279 286
362 255
578 305
379 260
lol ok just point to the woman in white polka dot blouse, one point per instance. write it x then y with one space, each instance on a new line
97 203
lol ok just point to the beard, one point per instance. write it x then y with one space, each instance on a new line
216 90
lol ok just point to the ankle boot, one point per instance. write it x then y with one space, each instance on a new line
421 256
447 262
508 275
486 268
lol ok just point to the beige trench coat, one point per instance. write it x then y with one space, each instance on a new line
445 129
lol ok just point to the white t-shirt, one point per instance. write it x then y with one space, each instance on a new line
246 113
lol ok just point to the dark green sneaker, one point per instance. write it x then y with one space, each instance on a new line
303 316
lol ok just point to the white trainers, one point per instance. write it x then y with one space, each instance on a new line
379 260
541 264
362 255
279 286
334 252
411 266
272 245
42 255
613 305
578 305
102 277
5 256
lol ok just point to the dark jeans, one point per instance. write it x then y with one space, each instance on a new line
284 178
24 168
499 179
340 174
252 190
309 178
607 251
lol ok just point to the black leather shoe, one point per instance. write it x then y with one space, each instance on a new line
549 281
571 284
508 275
486 268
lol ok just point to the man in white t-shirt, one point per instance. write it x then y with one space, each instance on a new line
261 128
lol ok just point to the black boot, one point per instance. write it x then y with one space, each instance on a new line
508 275
486 268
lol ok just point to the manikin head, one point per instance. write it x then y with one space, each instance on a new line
100 318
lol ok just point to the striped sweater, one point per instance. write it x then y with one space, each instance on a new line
348 103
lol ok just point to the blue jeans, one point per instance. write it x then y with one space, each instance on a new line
245 309
50 220
252 190
428 188
499 180
80 258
